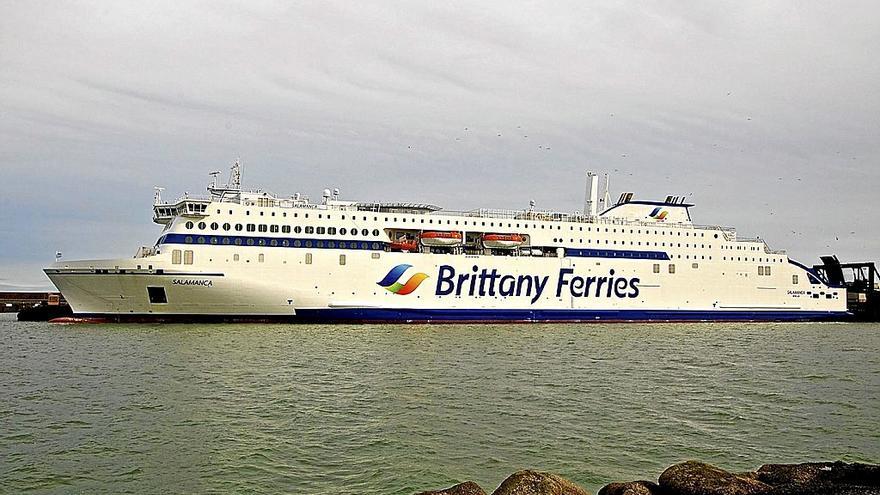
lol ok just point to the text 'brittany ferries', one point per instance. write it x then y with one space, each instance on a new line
486 282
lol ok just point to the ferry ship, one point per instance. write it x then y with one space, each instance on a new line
239 255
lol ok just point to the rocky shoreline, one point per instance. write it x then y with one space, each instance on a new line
699 478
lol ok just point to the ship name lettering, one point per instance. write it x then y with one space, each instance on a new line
198 282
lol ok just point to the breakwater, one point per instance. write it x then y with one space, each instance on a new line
699 478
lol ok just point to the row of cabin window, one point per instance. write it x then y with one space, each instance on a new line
483 224
285 229
251 241
762 270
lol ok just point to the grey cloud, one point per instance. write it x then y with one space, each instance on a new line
101 101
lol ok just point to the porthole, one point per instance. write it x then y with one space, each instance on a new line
201 225
250 242
188 239
343 231
297 243
215 240
238 241
319 244
189 225
376 232
343 244
308 244
226 241
201 240
226 226
297 229
238 227
365 232
261 242
331 244
375 245
285 243
273 243
214 226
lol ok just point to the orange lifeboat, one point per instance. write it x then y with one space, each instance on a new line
403 244
503 241
441 239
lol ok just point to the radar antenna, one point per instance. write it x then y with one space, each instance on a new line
213 175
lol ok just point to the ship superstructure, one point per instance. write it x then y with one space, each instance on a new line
251 255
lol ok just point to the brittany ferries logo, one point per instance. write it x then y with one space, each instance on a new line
659 214
391 282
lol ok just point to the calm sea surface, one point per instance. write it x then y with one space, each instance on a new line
396 409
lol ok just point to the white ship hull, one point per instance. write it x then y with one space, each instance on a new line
282 286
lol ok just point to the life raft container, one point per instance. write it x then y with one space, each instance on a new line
503 241
441 239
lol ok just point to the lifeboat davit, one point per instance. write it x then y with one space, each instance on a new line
404 245
503 241
441 239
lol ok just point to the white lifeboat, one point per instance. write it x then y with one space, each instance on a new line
440 239
503 241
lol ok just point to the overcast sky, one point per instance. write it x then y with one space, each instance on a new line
766 114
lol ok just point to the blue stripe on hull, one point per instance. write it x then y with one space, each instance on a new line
554 315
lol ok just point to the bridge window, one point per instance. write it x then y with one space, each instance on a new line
285 229
263 227
251 227
321 230
331 230
310 230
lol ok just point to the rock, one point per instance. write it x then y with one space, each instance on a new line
821 478
631 488
529 482
466 488
813 472
699 478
